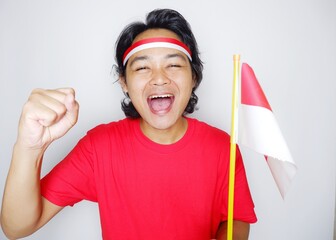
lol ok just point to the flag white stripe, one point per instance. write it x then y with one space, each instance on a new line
283 173
259 130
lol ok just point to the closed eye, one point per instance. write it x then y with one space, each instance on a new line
141 68
175 65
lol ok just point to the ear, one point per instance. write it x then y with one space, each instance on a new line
194 81
123 84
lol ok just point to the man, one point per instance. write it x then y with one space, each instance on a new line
156 174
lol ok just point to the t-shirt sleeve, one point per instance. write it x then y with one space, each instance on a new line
72 180
243 204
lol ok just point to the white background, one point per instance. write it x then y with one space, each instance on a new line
290 44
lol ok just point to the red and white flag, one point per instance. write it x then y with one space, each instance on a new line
259 130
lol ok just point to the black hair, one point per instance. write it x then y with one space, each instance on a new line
166 19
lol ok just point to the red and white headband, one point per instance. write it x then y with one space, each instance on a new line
155 43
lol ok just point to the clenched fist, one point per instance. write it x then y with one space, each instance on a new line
46 116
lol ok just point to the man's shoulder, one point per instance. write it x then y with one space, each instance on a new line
110 125
119 126
206 127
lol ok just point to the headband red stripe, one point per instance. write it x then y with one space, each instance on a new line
158 39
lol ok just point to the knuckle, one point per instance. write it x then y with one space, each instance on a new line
60 109
37 91
71 90
36 94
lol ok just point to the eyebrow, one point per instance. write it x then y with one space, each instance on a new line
139 58
178 55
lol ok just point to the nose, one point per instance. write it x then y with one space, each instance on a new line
159 78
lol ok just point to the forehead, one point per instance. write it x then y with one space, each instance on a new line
159 32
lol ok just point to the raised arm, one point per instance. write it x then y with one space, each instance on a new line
46 116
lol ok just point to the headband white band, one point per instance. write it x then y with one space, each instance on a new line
155 43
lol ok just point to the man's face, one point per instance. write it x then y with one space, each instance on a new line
159 82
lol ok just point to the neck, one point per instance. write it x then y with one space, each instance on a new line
165 136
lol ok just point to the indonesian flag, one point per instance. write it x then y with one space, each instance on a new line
259 130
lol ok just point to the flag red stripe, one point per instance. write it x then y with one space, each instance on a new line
251 92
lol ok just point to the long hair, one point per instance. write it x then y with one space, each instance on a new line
167 19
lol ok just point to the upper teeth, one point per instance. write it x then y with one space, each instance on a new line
160 96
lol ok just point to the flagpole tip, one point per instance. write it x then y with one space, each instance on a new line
236 57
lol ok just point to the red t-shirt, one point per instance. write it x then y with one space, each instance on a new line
147 190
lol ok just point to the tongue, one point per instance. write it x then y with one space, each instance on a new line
160 104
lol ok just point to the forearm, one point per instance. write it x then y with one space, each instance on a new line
240 231
45 117
22 203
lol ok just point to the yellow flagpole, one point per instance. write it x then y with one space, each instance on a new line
236 61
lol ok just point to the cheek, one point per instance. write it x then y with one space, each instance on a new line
135 89
186 84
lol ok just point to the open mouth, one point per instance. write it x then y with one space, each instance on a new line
160 103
